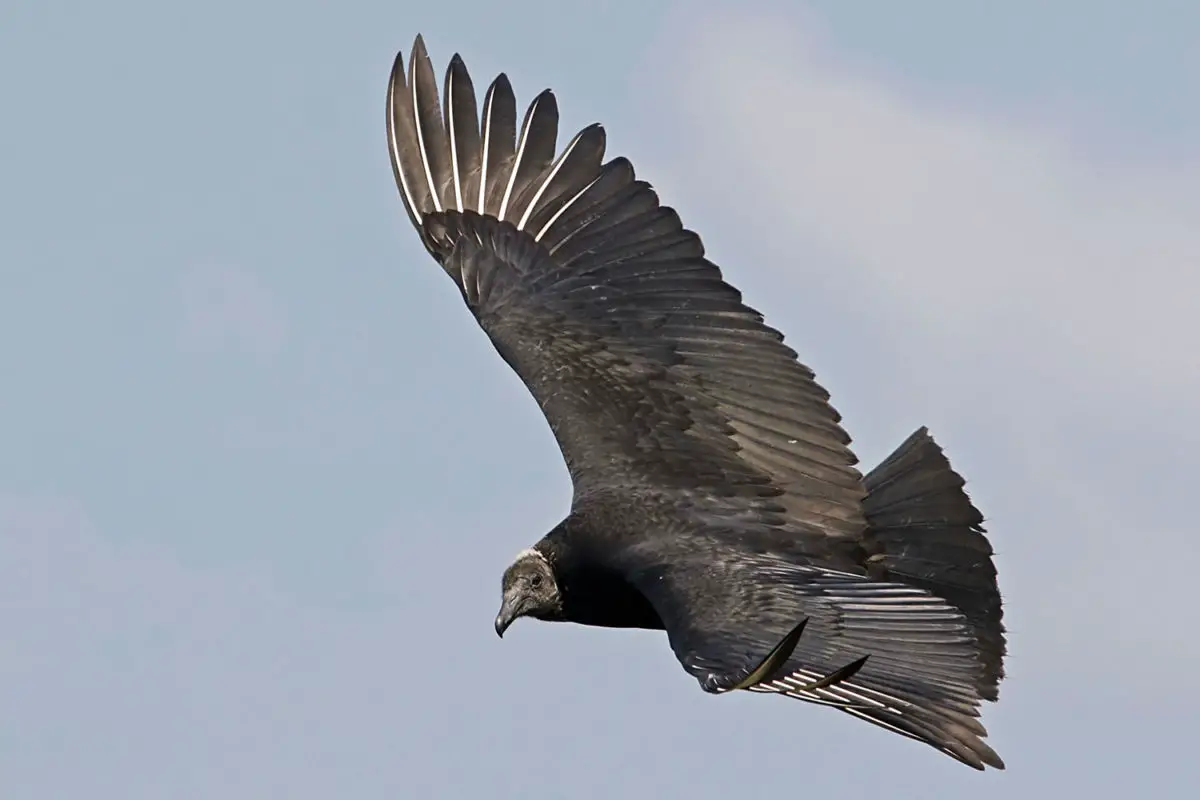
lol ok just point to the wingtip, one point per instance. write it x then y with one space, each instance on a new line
419 54
419 46
502 83
397 77
403 68
975 753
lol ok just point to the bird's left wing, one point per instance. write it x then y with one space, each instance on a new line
887 653
648 366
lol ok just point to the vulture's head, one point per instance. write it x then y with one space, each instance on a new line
529 589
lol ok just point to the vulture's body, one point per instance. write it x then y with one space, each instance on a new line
715 495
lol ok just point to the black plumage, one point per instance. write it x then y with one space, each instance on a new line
715 494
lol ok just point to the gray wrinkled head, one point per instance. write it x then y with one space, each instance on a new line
529 590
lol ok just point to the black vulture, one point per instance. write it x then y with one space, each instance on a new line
715 494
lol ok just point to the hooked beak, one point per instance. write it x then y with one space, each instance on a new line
509 611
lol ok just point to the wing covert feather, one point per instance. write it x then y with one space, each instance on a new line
640 371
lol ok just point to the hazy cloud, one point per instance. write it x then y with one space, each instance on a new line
1033 304
999 225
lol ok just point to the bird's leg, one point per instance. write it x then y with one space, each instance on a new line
775 661
837 676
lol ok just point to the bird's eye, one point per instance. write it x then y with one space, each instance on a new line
536 581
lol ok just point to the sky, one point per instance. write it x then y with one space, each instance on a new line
260 472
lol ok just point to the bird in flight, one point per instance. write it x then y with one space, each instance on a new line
715 496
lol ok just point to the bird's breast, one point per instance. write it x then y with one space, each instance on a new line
604 599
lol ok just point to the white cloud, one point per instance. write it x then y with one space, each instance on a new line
1033 301
998 226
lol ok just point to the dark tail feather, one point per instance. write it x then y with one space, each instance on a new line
450 156
924 531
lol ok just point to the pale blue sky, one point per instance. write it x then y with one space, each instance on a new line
260 472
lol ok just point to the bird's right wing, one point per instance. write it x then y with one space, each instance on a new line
888 653
647 365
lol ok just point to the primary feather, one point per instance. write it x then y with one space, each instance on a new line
716 496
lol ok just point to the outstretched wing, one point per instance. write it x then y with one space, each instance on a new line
732 620
647 365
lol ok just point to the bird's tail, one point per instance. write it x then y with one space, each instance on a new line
447 156
924 531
